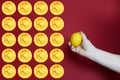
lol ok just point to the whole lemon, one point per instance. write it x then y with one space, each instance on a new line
76 39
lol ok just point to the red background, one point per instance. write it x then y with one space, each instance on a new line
98 19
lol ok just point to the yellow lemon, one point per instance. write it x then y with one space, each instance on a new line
76 39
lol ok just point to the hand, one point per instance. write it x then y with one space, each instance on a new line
107 59
85 47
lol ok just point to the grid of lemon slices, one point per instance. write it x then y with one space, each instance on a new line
24 39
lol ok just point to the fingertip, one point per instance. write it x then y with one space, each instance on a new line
81 32
69 43
73 49
83 35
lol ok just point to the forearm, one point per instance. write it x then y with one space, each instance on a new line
109 60
87 49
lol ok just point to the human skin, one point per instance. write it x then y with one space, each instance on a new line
88 50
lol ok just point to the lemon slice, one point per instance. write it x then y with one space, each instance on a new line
8 55
56 39
8 8
40 71
24 8
56 7
40 8
56 71
24 39
8 39
40 23
56 23
40 55
40 39
24 71
24 23
8 23
56 55
24 55
8 71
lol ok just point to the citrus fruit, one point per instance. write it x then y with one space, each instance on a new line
76 39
